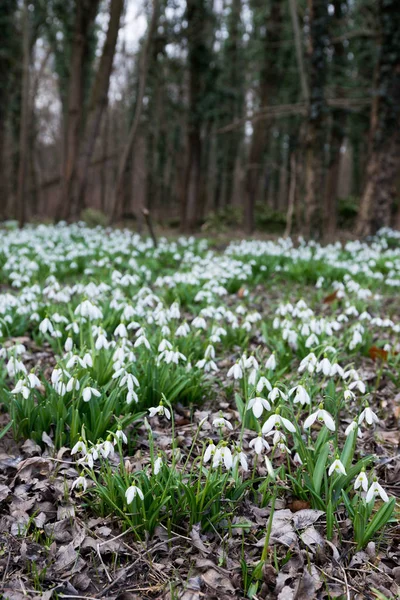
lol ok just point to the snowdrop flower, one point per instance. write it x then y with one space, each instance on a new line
259 444
275 420
308 363
157 465
68 344
311 341
361 481
121 331
88 392
207 365
349 395
270 468
271 362
73 383
46 326
183 330
132 492
80 482
240 457
325 366
322 415
106 448
235 371
360 385
375 489
337 467
221 422
263 383
352 427
89 310
209 451
120 435
131 396
164 345
222 454
199 323
160 410
142 340
258 405
369 416
276 393
80 446
15 366
301 396
21 388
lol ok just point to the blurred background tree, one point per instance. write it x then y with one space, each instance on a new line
275 115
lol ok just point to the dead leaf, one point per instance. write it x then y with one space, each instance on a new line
29 465
197 542
4 492
331 297
217 581
306 517
312 538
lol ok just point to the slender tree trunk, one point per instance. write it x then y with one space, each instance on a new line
318 24
384 156
269 85
123 163
86 11
24 127
97 105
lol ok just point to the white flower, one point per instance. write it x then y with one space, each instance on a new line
157 465
132 492
68 344
376 488
21 388
101 342
276 393
121 331
209 451
369 416
271 362
270 468
119 434
258 405
361 481
349 395
301 396
259 444
311 341
263 383
183 330
106 449
142 340
308 363
221 422
88 392
360 385
337 467
240 457
160 410
322 415
80 446
235 371
276 419
46 326
222 454
352 427
80 482
325 366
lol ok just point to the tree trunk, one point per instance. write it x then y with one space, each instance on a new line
24 127
97 105
123 163
384 157
338 120
318 23
86 11
269 85
198 64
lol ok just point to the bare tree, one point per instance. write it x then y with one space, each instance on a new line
123 162
24 127
384 157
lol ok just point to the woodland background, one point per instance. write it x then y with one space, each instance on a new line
276 115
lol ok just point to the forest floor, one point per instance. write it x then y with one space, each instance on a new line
291 331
